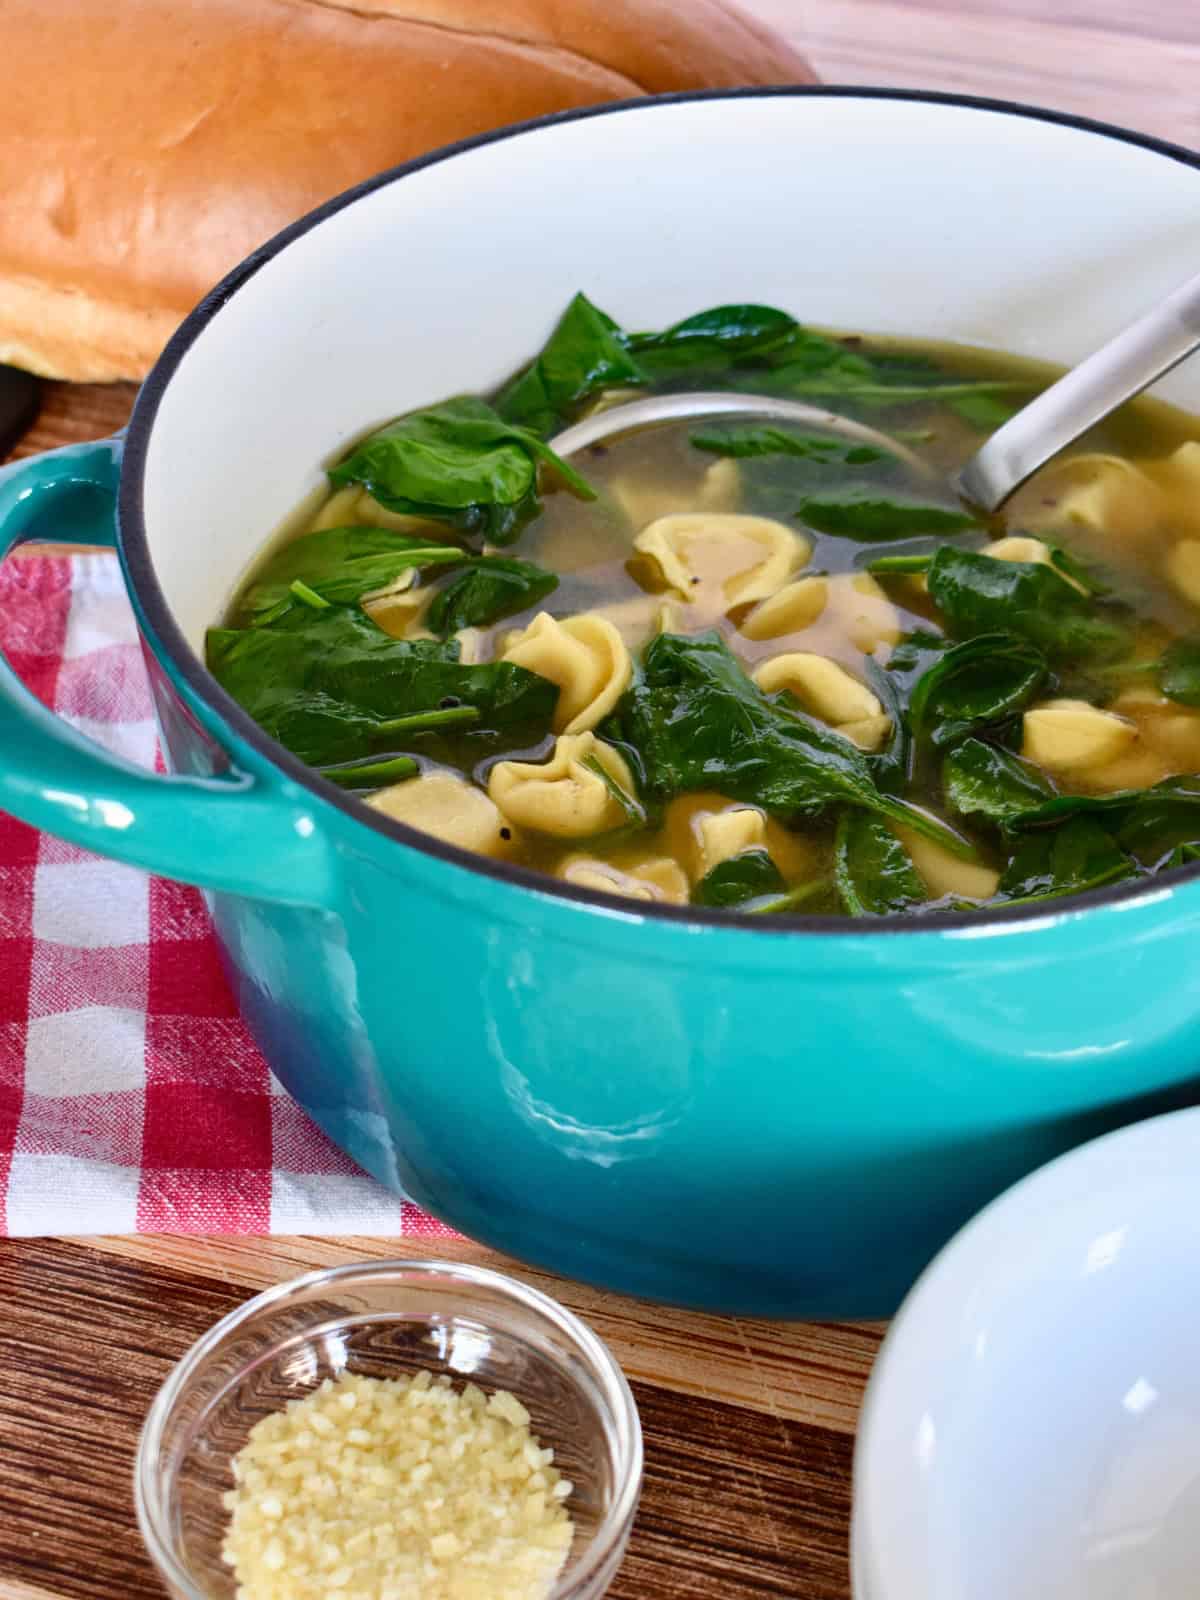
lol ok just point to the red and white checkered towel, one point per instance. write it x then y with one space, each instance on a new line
131 1095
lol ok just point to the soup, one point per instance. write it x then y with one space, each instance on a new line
744 665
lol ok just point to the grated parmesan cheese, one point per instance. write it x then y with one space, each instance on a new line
396 1489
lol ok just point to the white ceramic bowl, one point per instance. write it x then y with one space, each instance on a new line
1032 1428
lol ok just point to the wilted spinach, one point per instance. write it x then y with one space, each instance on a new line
460 463
340 566
869 518
1148 823
747 876
1080 855
874 873
747 441
367 775
332 686
714 340
698 722
1179 672
491 587
981 781
910 564
586 353
891 767
981 681
978 594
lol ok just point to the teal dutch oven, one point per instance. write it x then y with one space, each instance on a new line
775 1116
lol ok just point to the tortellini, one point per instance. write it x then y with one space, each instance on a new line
1100 494
827 691
451 809
400 608
702 829
1183 568
1175 736
721 486
868 733
339 510
1071 736
565 796
1168 733
651 878
718 561
1020 548
353 505
645 499
849 607
944 873
794 607
858 605
471 646
823 688
1017 548
1179 476
725 834
585 656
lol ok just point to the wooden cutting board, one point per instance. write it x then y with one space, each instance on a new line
748 1425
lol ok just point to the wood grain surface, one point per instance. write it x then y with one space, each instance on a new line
749 1425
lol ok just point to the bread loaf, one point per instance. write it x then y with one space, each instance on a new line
147 145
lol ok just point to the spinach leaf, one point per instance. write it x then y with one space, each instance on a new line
860 515
698 722
892 767
978 594
874 874
913 655
367 775
716 339
1148 823
331 686
1083 574
1163 818
906 564
632 808
458 462
1061 808
743 877
1179 672
984 411
1080 855
747 441
982 680
871 387
817 897
586 353
340 565
491 587
981 780
1184 855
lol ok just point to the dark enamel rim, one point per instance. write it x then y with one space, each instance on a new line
136 554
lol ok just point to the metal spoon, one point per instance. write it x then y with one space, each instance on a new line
723 403
1116 372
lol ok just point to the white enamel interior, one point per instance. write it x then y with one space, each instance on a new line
892 216
1032 1428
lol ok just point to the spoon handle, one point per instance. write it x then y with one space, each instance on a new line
1115 373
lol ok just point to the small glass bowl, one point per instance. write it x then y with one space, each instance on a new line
385 1319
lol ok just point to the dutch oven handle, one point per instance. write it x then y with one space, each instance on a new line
246 833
